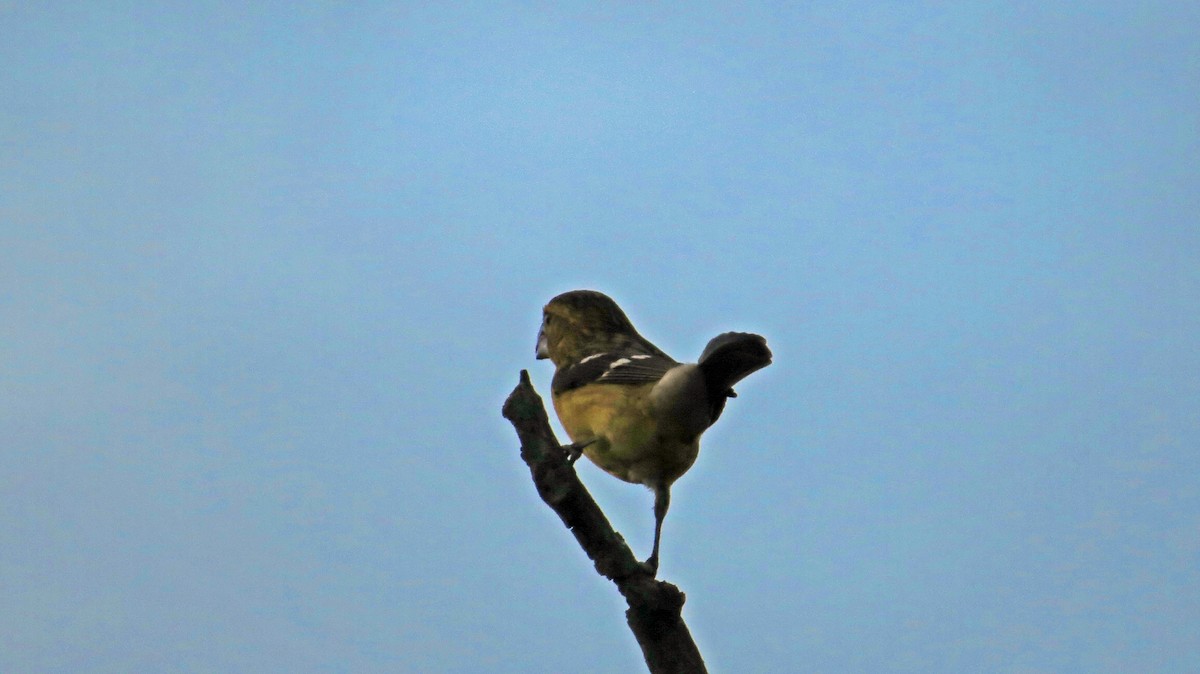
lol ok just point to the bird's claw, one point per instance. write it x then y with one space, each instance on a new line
575 450
651 566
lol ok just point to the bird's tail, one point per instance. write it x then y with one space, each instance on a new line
729 358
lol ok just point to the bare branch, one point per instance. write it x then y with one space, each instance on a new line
655 606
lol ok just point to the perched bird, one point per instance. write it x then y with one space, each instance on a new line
630 408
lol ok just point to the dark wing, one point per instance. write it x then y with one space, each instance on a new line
615 367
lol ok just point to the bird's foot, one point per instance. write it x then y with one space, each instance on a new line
575 450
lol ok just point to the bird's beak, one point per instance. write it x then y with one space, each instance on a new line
543 348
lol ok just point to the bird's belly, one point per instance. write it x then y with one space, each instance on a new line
625 437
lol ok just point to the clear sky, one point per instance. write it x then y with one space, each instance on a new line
268 272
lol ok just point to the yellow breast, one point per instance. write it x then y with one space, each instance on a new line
627 439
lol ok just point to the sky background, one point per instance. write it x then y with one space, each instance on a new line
267 274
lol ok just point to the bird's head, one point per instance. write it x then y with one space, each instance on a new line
581 322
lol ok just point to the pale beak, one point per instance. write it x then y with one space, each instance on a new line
543 348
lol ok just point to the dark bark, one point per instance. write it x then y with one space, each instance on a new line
654 605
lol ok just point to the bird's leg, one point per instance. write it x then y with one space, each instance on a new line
575 450
662 501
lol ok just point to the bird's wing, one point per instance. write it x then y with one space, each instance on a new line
615 367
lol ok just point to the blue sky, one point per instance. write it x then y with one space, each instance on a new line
268 273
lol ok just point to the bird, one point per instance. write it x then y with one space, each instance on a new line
634 411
